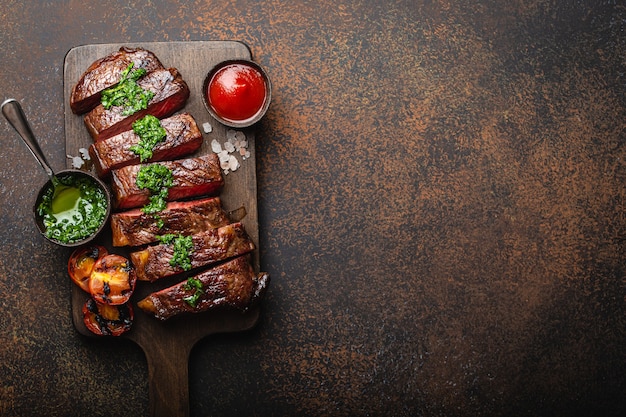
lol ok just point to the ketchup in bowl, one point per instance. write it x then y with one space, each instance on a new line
237 93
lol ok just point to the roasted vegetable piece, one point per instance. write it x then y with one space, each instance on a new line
112 280
107 320
81 264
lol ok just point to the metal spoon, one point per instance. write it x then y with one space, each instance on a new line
14 114
12 111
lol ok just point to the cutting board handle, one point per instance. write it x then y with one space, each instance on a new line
168 376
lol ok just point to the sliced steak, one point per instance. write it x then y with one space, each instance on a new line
193 177
231 285
171 94
135 228
209 247
105 73
183 138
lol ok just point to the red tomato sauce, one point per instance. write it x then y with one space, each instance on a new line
237 92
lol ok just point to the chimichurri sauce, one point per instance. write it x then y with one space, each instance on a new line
75 211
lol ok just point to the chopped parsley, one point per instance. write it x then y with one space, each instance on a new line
158 220
150 134
183 247
195 285
157 179
127 93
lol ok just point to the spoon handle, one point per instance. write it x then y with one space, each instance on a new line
14 114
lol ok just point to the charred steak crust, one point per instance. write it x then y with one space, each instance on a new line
231 282
232 285
192 177
105 73
209 247
171 94
183 138
135 228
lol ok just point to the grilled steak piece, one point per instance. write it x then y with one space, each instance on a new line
183 138
192 177
105 73
209 247
231 285
135 228
171 94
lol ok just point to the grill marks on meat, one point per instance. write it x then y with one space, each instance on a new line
209 247
232 285
192 177
220 249
171 94
105 73
183 138
135 228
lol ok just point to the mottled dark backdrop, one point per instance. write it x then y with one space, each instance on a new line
441 197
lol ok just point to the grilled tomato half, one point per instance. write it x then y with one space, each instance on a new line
112 280
82 262
107 320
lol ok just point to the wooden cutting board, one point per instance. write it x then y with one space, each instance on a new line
167 344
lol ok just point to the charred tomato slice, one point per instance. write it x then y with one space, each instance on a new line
82 262
107 320
112 280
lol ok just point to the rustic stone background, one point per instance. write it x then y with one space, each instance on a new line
441 199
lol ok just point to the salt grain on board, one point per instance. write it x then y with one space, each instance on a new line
239 135
215 146
79 160
229 147
233 163
84 153
235 143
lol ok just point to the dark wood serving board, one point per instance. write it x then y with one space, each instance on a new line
167 344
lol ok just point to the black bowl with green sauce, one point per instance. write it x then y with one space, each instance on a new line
72 209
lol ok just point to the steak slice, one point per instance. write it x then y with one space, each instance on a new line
135 228
105 73
183 138
209 247
192 177
232 285
171 94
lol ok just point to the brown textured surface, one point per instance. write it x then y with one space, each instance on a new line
441 202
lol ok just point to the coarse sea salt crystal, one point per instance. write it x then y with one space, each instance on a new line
84 153
215 146
206 126
233 163
236 142
229 147
77 161
225 163
239 135
223 156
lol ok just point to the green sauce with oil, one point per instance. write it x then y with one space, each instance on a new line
72 209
